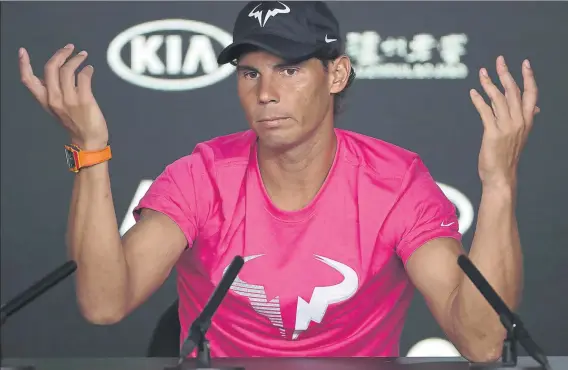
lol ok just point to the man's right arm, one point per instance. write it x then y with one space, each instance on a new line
114 275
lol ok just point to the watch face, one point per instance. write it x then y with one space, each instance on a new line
70 158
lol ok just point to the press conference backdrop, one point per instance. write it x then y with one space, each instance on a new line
162 92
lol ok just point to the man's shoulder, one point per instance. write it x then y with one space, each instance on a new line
230 149
233 147
385 159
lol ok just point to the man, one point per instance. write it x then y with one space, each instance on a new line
336 228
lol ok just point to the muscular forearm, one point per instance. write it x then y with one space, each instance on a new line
496 251
94 243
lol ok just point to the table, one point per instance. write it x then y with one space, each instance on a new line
403 363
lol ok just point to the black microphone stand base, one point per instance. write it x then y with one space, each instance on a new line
191 366
498 366
203 360
200 365
508 356
501 366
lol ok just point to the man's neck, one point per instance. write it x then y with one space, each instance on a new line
293 178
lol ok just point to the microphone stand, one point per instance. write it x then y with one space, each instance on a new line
516 331
196 338
30 294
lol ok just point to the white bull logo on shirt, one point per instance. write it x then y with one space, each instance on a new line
314 310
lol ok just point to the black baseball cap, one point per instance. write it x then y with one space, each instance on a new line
292 30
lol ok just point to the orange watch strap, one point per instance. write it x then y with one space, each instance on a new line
90 158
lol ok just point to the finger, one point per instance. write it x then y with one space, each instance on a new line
84 83
484 110
530 92
67 76
501 108
52 75
31 81
512 91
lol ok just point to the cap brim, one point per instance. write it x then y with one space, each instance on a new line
281 47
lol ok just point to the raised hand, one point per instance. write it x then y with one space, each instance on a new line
68 97
507 122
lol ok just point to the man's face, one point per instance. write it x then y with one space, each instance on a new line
284 103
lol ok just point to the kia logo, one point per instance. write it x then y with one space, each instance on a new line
170 55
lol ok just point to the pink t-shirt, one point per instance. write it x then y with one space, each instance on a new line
328 280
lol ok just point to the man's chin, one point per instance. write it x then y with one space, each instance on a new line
276 141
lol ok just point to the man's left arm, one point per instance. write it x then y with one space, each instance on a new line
460 309
463 313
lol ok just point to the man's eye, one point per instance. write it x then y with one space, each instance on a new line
290 71
251 74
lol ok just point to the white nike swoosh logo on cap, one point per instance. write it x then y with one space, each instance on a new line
329 40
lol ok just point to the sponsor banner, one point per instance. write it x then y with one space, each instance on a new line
170 55
180 54
421 56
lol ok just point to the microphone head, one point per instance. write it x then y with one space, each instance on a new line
239 259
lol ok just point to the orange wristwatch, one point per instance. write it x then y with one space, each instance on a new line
78 158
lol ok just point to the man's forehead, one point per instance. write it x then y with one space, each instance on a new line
260 58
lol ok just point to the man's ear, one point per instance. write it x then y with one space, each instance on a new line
339 71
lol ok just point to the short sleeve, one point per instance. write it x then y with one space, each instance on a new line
422 212
173 193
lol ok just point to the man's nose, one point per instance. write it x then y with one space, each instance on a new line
268 90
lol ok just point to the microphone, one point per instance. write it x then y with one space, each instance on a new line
516 330
199 327
30 294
